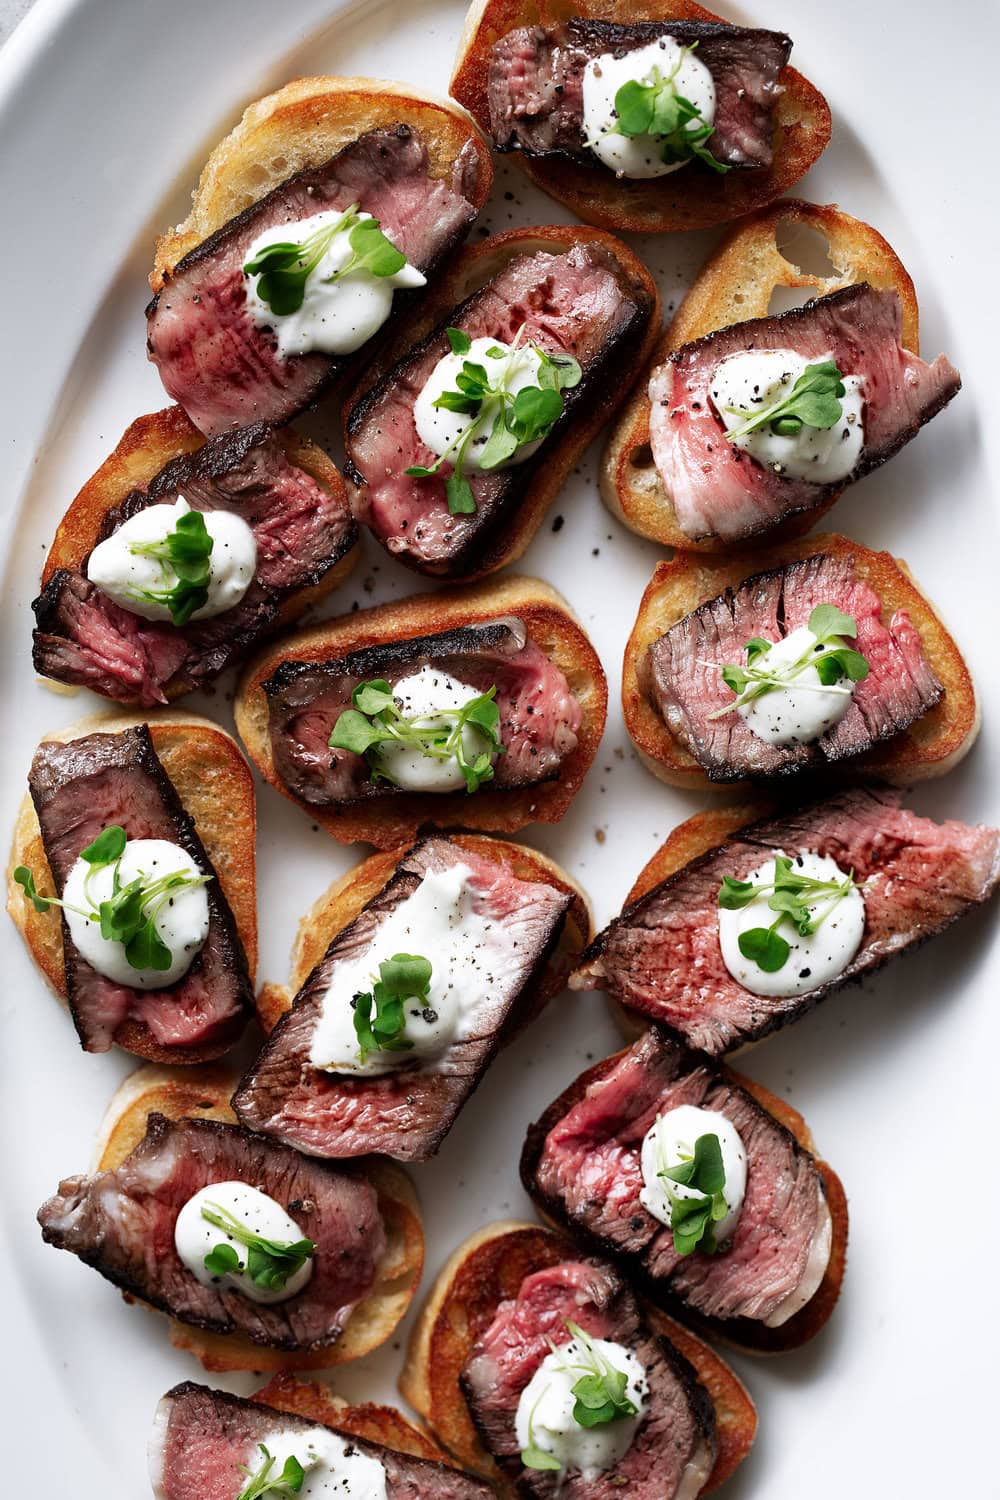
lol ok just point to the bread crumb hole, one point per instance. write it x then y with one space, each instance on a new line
805 249
641 457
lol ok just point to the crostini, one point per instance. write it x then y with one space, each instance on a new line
409 973
295 1264
782 908
483 1334
516 359
604 102
180 555
479 708
331 204
748 423
143 834
703 1185
721 678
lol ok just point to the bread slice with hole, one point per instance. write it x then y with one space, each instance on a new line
367 1420
929 747
689 199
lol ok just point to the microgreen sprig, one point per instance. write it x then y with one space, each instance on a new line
379 1013
600 1394
813 401
797 898
284 268
658 109
262 1482
692 1218
184 557
376 720
832 659
270 1264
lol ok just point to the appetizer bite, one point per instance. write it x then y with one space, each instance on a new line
458 447
411 971
180 555
478 708
650 118
132 881
328 206
749 423
817 654
703 1185
743 921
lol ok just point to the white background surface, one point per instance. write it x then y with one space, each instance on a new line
106 112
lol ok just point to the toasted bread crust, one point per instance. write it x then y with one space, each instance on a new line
215 785
203 1093
368 1421
929 747
485 1270
550 623
685 200
735 285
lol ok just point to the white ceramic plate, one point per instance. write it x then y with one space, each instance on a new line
106 112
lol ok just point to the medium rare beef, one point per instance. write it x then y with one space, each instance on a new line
213 359
581 1163
83 637
682 678
122 1222
716 489
539 716
536 83
662 955
96 782
408 1112
674 1447
580 302
203 1442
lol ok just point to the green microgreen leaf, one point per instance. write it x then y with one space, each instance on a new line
659 110
270 1263
380 1013
24 878
108 846
459 340
764 947
364 730
534 1457
600 1393
184 556
263 1481
283 269
814 399
833 663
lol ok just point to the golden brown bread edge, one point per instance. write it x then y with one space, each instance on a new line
689 199
214 783
203 1093
735 285
395 819
487 1269
366 1419
929 747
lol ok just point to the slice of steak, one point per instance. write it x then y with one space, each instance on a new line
674 1447
536 84
83 637
98 781
122 1223
681 676
408 1112
539 716
581 1164
716 489
580 302
212 357
204 1441
662 955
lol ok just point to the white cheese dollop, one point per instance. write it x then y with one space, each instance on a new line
124 575
441 429
545 1409
422 697
182 921
670 1141
336 317
335 1467
194 1237
744 383
641 155
804 710
814 960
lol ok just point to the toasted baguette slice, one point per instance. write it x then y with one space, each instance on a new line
690 199
929 747
203 1093
343 900
486 1269
735 285
303 125
393 820
366 1420
214 783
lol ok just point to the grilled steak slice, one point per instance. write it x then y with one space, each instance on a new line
83 637
662 955
203 1441
716 489
213 359
539 716
92 783
581 1164
674 1447
581 303
681 674
408 1112
122 1223
536 83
